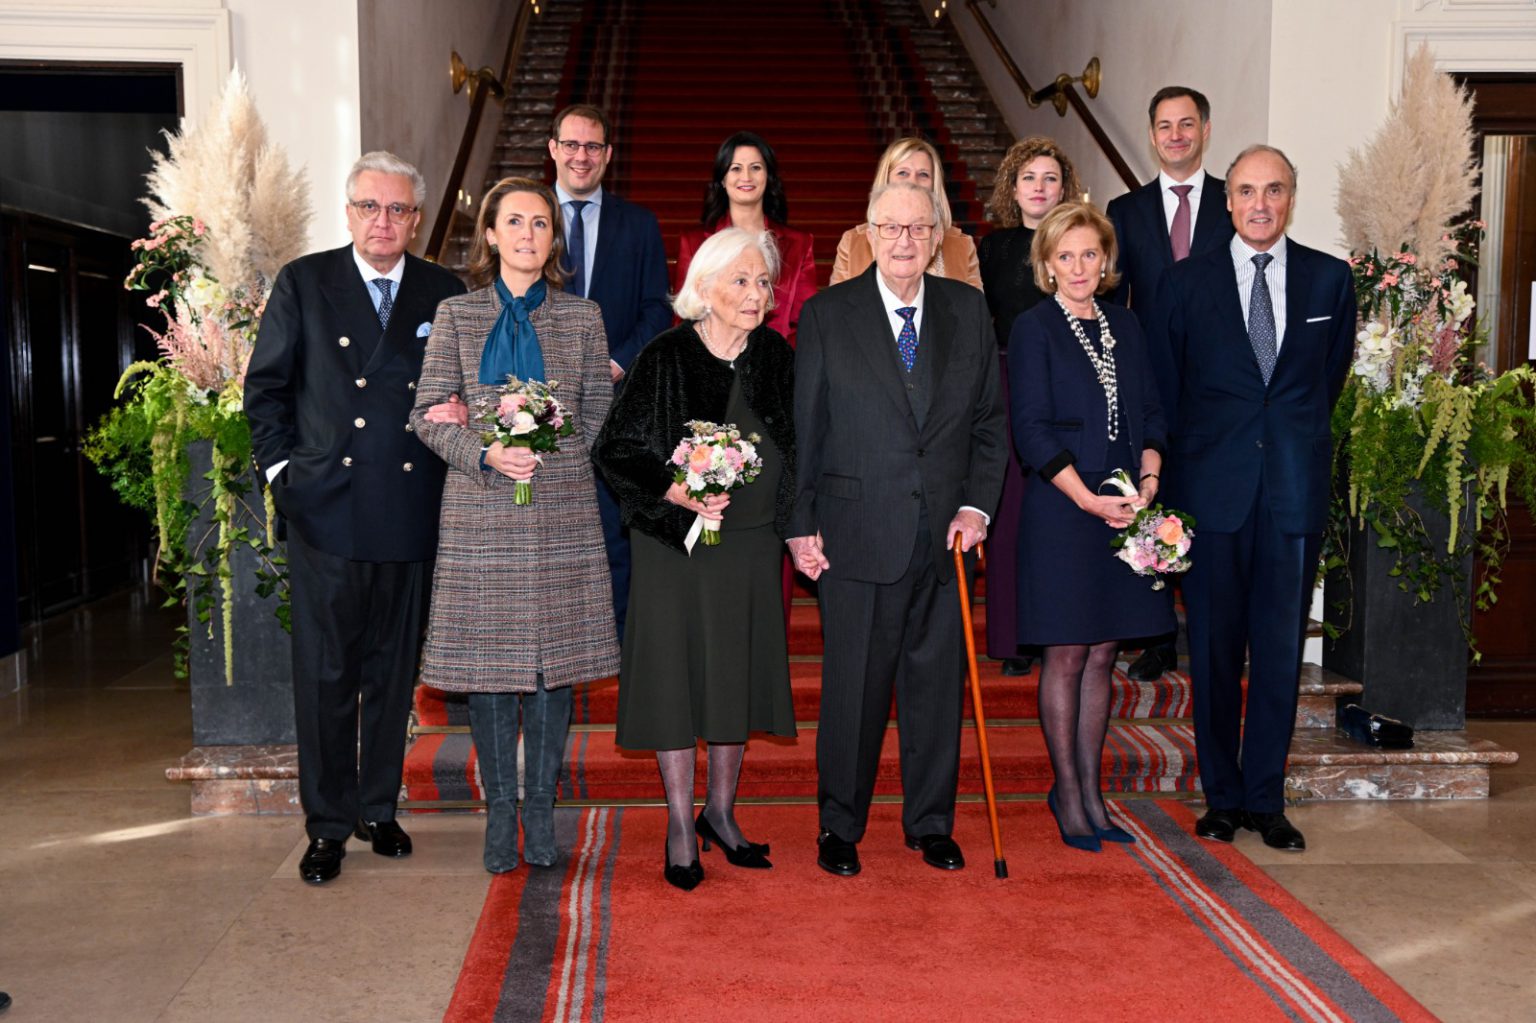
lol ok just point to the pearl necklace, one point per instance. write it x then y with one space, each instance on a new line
1104 365
710 345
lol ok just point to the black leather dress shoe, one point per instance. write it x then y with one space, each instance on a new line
322 860
1015 667
837 855
1220 825
938 851
1154 660
388 837
1277 832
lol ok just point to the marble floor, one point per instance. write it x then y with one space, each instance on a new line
115 905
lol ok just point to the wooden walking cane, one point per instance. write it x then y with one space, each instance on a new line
999 865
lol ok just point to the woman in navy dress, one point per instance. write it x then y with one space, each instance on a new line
1083 405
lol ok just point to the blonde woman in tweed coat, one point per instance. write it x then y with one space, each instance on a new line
522 605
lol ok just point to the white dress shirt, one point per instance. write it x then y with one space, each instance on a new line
590 215
1171 201
1274 276
892 303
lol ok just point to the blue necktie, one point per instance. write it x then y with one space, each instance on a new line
578 254
386 300
1261 319
906 341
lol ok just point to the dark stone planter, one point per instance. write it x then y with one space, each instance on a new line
1412 659
257 709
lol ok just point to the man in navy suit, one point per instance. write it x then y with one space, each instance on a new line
615 258
330 383
1251 345
1180 213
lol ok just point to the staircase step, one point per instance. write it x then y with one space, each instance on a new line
1137 758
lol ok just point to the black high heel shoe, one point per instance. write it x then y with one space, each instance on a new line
750 854
686 877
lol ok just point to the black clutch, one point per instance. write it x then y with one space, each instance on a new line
1375 729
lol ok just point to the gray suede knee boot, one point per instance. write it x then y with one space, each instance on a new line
546 720
493 725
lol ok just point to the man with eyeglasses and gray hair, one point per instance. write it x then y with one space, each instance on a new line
328 394
901 453
615 257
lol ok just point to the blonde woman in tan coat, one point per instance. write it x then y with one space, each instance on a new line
915 162
522 605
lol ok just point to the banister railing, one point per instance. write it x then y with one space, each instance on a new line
1066 89
482 84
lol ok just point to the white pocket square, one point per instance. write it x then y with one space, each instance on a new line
1318 319
424 330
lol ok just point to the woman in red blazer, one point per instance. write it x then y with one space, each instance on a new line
745 191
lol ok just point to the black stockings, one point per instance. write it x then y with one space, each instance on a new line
677 778
1074 714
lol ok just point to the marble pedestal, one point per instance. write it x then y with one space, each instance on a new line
240 779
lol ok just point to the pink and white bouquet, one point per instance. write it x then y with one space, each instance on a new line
715 459
1157 541
525 414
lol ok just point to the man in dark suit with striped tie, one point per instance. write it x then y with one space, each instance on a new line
331 381
1251 344
901 455
1180 213
615 257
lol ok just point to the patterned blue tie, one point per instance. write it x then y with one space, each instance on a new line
578 247
1261 319
386 300
906 341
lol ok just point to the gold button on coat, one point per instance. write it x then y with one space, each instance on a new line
343 341
411 386
359 422
361 381
347 460
408 467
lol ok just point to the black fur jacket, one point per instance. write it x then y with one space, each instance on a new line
673 380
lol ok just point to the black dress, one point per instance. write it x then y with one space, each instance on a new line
705 654
1009 280
1074 589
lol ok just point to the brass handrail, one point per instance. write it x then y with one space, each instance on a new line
1060 87
481 84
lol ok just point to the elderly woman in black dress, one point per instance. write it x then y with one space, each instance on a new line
704 650
1084 404
506 628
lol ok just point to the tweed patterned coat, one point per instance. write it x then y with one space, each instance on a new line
518 590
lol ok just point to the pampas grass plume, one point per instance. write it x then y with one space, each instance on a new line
1417 174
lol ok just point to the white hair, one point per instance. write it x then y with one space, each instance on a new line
880 191
383 162
718 252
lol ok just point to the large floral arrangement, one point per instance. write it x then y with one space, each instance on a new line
1421 426
228 213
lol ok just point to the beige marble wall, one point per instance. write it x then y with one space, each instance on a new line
408 105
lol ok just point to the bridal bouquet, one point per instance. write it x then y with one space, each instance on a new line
525 414
715 459
1157 541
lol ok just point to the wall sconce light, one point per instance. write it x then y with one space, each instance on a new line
1056 92
484 78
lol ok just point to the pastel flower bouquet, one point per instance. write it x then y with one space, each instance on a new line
714 459
525 414
1157 541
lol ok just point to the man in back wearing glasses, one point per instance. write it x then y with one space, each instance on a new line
330 385
615 258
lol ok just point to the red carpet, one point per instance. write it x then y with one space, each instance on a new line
1168 929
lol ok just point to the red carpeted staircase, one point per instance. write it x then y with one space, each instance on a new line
829 83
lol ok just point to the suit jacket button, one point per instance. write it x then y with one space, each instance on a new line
409 428
361 381
408 467
919 452
411 386
359 422
917 495
347 461
343 341
767 419
1259 443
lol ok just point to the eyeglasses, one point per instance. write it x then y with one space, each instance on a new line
398 212
918 232
570 146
